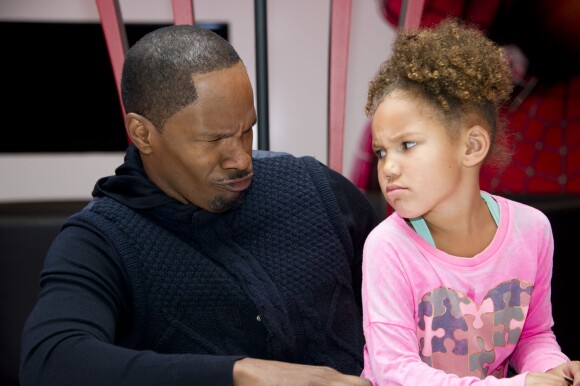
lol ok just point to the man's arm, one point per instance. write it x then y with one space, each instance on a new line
360 218
74 333
257 372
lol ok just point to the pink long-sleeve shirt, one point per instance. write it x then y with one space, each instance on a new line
431 318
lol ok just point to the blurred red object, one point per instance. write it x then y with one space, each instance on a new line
542 41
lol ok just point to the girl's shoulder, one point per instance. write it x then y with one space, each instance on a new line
392 234
520 212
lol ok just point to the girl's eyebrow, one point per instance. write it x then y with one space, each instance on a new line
403 134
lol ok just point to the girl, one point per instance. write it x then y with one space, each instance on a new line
456 282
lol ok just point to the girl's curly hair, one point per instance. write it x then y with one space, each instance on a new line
456 69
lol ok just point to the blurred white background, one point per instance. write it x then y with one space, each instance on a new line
298 46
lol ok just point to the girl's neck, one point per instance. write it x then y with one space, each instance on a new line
465 231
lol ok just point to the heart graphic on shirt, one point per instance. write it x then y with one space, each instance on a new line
459 336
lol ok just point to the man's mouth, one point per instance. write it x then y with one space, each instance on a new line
238 184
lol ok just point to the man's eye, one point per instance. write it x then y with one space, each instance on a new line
408 145
380 153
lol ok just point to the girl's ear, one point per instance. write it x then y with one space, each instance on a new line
477 145
139 130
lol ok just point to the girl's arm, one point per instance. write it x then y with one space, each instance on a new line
537 349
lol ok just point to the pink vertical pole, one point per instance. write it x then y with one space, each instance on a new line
339 39
183 12
116 38
412 11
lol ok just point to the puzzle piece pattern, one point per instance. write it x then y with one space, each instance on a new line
459 336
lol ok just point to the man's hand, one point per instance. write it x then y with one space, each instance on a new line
545 379
571 370
258 372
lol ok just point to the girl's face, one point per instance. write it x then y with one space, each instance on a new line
419 164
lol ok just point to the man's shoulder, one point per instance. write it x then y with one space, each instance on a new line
267 157
101 207
261 154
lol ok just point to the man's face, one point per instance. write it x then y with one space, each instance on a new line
203 154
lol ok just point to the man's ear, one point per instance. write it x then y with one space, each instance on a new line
139 130
477 145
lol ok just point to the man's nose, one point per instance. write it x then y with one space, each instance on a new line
237 155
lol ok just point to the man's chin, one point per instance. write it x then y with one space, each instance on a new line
223 204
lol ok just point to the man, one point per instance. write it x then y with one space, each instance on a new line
201 262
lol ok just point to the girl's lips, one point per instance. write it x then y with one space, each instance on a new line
393 190
393 187
238 185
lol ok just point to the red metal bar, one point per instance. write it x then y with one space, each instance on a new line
116 38
413 12
183 12
339 39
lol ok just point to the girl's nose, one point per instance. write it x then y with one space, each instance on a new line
390 168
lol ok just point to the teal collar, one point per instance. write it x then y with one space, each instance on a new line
422 229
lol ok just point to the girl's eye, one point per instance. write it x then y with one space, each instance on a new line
380 153
408 145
